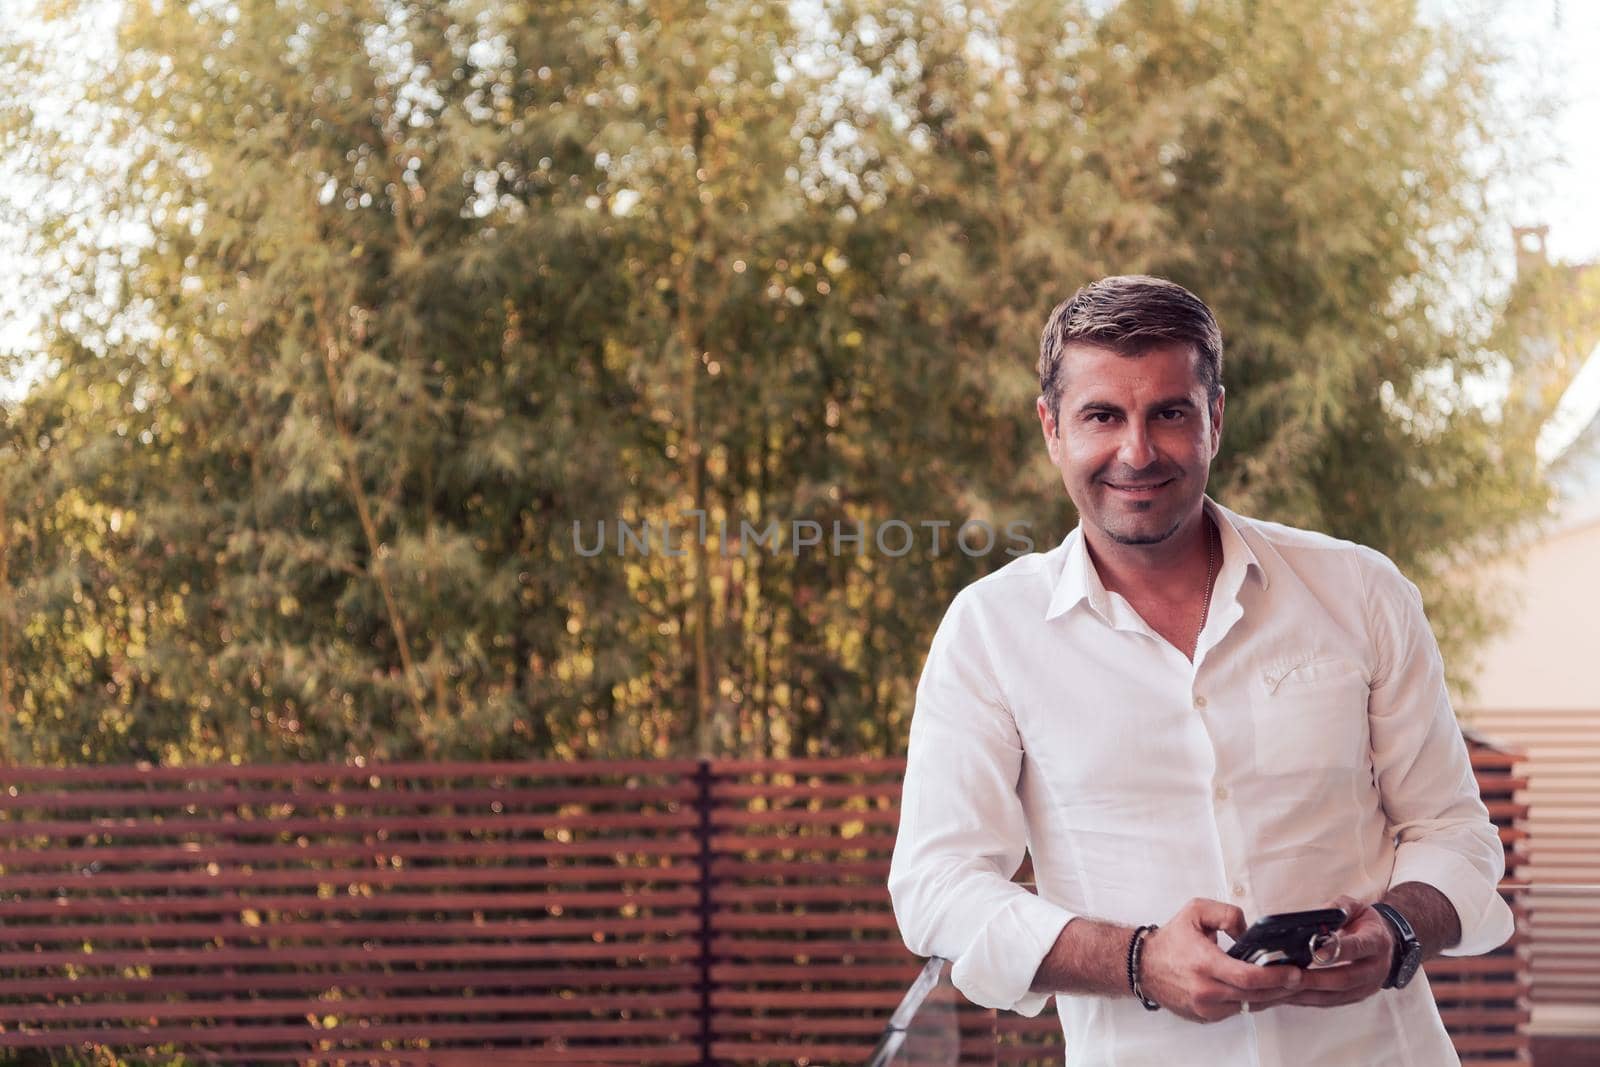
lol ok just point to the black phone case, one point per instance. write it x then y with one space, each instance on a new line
1287 937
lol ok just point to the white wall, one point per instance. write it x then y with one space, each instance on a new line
1549 656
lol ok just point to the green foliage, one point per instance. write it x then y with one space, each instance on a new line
402 290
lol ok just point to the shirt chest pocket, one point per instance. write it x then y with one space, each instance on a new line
1310 716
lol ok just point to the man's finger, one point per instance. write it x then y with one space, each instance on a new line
1220 1000
1249 978
1349 905
1363 944
1215 915
1338 979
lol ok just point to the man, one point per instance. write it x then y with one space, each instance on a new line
1188 718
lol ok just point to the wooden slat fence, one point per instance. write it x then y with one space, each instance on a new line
1561 785
302 913
806 959
1484 999
624 913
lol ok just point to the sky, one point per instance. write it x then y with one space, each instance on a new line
1551 44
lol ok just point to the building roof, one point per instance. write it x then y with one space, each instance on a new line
1575 471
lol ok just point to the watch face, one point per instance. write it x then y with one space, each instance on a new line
1408 952
1408 966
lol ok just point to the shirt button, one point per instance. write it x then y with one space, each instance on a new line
1199 702
1222 792
1238 890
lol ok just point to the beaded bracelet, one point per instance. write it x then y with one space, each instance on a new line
1135 951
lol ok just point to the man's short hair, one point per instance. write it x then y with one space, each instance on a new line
1129 313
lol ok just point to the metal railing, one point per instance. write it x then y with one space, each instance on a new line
923 1028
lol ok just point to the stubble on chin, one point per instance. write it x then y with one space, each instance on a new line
1124 536
1140 538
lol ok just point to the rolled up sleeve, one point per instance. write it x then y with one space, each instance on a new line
1444 836
962 832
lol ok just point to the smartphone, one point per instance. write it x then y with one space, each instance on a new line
1291 937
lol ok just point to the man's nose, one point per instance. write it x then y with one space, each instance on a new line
1134 450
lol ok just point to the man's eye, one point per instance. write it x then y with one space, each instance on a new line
1100 417
1172 414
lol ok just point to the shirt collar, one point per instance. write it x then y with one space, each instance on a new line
1080 583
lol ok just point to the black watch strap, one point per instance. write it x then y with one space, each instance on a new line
1407 949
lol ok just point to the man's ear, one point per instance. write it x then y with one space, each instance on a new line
1047 425
1216 421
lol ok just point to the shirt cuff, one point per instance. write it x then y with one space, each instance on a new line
1486 920
997 969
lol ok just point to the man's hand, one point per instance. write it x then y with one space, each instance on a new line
1366 951
1184 971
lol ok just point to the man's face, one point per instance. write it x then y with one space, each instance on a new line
1133 439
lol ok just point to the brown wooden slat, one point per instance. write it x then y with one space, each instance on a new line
328 955
800 895
483 822
741 843
1490 1042
149 800
332 772
224 904
364 1036
814 1051
830 766
370 1007
1503 783
350 981
536 899
1472 1017
406 927
604 1055
825 1025
293 852
723 869
831 817
898 975
117 881
812 1002
838 920
819 948
599 1055
723 791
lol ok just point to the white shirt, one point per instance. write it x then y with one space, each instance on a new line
1308 750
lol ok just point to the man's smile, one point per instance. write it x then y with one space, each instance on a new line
1141 489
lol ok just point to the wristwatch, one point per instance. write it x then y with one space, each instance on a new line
1407 949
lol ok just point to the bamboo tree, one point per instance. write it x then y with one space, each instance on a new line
399 291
